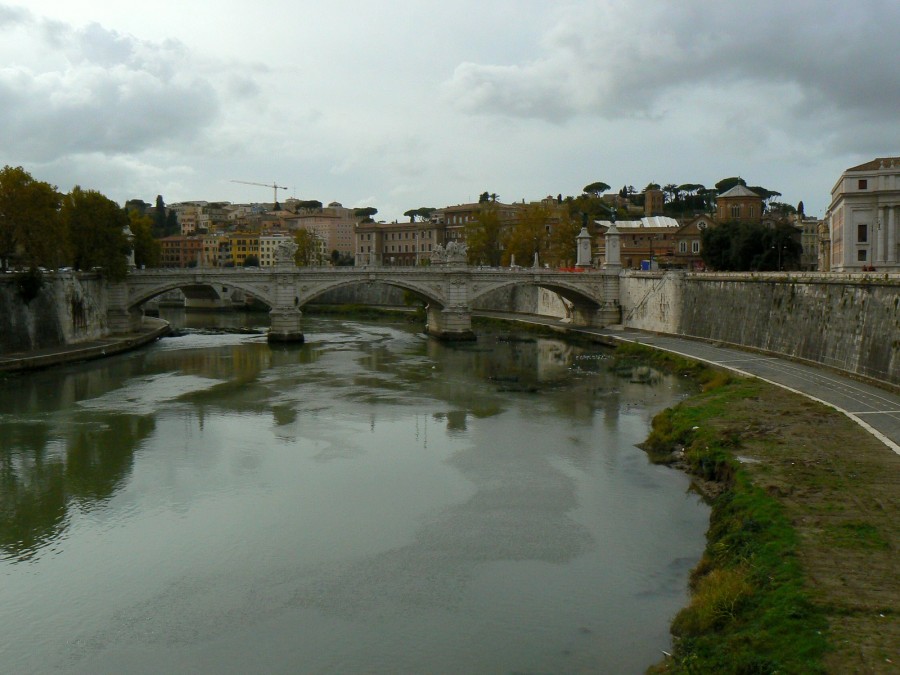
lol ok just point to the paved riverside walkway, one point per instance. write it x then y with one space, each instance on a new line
83 351
874 408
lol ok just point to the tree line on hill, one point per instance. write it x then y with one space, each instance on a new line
552 233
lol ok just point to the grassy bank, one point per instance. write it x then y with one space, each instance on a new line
799 573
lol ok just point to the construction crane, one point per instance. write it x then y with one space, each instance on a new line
275 188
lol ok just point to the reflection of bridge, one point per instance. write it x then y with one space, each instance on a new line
447 290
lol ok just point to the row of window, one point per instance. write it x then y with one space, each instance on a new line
736 211
424 248
394 236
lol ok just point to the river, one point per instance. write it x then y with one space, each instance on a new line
371 501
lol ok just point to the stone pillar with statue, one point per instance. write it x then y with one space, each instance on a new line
285 314
613 260
583 249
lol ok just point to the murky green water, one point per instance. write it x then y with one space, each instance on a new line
373 501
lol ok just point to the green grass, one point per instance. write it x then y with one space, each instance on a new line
749 611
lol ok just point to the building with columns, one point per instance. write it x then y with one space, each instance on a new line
863 219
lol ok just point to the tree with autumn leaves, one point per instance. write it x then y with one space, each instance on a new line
42 228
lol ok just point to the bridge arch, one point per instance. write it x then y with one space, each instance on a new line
577 295
427 293
143 293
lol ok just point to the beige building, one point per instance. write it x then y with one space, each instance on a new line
687 252
267 245
334 225
398 244
809 241
644 244
863 219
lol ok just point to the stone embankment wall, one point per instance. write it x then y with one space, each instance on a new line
68 309
523 300
520 300
851 323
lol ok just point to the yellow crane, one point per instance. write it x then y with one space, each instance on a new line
275 187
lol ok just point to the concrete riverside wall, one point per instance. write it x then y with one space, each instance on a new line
851 323
68 309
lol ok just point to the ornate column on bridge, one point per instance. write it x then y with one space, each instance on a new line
613 260
453 320
285 314
584 247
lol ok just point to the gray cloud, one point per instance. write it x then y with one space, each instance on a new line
94 90
622 59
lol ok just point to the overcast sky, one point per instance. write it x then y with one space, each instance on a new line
408 103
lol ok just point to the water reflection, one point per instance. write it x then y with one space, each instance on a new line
365 485
70 434
44 471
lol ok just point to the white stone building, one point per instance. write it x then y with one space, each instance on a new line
864 218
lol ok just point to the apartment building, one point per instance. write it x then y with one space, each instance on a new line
397 244
180 251
243 245
267 245
334 225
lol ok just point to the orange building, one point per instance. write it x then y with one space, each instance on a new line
739 204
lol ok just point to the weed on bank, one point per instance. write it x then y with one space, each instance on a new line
750 611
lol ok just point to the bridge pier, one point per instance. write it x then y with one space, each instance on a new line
607 314
451 324
285 325
121 319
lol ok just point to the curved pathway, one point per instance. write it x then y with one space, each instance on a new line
875 409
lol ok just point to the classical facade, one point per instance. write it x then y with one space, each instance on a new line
863 219
397 244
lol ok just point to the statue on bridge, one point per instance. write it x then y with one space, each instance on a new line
285 252
453 254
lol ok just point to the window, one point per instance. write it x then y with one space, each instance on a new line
695 247
863 184
682 247
736 211
862 233
861 255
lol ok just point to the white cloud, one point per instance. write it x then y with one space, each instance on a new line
626 59
421 103
74 91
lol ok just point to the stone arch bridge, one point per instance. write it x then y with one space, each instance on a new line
447 290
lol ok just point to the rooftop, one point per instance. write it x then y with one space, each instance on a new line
738 191
877 163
